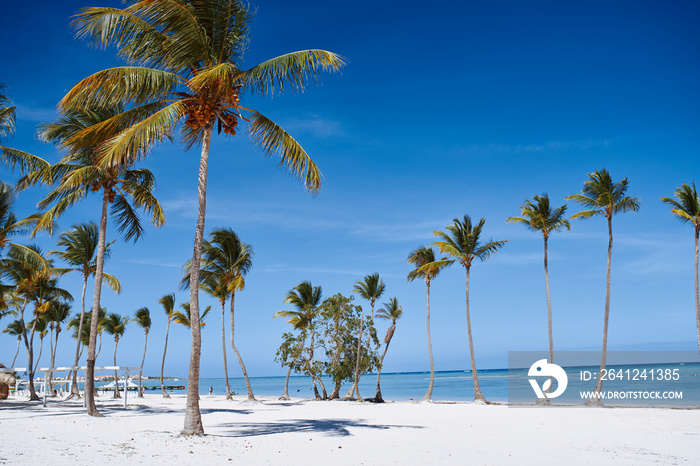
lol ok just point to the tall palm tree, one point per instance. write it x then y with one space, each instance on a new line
56 314
189 68
79 245
391 311
305 298
370 288
184 317
540 216
463 242
78 174
687 209
115 325
14 329
143 320
602 196
168 303
225 262
427 268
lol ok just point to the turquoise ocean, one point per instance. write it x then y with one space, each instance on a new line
458 385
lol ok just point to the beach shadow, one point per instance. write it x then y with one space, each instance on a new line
329 427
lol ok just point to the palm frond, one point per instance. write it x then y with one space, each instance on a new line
128 220
295 69
23 161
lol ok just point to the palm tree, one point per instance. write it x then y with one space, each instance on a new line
604 197
115 325
14 329
39 324
427 267
305 298
540 216
143 320
37 285
370 288
168 303
192 54
11 226
185 318
79 247
391 311
687 209
56 314
462 242
78 174
7 114
225 262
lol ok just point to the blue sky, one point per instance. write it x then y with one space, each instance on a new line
444 109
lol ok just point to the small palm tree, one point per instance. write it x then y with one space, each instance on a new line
225 262
371 288
604 197
540 216
168 303
463 242
143 320
305 298
391 311
427 267
56 314
189 69
39 324
14 329
115 325
185 318
687 209
79 248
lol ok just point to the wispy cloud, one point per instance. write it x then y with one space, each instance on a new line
153 262
536 148
36 114
315 125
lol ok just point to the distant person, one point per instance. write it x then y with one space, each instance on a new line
211 389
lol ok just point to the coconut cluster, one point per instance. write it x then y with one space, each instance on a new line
203 108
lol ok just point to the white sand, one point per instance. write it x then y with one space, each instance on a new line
336 433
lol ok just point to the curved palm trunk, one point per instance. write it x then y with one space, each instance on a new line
389 335
223 343
52 356
697 285
116 376
478 396
429 394
595 398
143 359
29 345
53 361
162 364
193 416
19 340
285 395
355 384
251 397
314 377
41 350
75 391
92 356
549 320
336 391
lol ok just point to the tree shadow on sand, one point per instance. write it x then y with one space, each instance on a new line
329 427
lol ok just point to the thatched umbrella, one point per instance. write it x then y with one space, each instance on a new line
6 379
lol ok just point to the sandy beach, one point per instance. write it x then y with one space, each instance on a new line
343 432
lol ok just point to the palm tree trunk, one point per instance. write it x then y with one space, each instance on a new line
52 357
92 356
162 364
193 416
315 377
355 384
429 394
595 398
29 345
116 376
75 391
143 359
549 321
390 333
251 397
697 285
53 360
336 391
285 395
19 339
478 396
223 343
41 350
